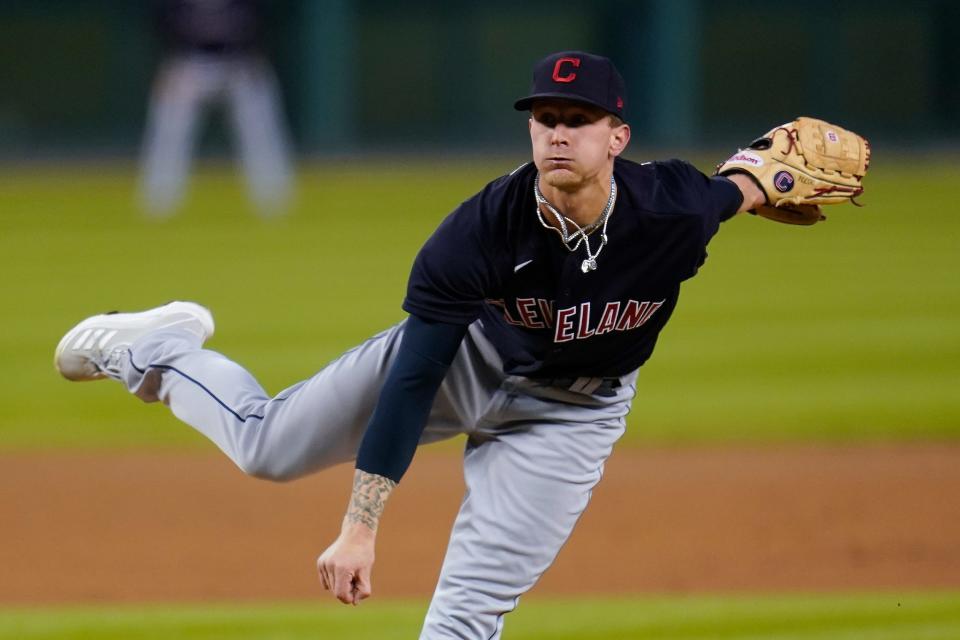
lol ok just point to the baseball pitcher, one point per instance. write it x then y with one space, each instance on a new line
531 308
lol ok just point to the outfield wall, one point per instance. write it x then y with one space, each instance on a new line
367 74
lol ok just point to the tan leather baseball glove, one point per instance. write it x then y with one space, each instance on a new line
801 165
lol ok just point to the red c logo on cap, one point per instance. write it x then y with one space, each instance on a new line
570 77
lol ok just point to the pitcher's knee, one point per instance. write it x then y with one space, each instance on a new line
265 469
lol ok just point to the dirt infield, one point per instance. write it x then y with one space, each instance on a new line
177 527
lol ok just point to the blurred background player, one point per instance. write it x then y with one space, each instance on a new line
214 58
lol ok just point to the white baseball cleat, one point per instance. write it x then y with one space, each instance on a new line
95 348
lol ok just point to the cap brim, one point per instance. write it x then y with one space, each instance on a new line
524 104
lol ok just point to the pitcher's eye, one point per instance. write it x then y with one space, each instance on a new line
546 119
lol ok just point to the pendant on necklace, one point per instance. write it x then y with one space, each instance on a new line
588 265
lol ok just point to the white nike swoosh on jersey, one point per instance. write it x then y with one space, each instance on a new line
522 265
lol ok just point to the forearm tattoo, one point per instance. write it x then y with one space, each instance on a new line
370 493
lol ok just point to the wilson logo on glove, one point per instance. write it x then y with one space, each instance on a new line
745 157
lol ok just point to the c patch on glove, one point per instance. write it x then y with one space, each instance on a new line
801 165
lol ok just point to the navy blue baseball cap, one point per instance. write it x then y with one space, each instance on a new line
578 76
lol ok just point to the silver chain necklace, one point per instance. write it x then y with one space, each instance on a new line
580 235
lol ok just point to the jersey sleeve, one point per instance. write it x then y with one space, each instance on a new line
394 429
715 199
455 270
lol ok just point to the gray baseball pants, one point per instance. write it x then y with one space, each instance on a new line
534 452
186 88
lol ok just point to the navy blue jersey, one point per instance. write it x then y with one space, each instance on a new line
225 26
493 260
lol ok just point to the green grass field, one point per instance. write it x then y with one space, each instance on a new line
933 616
843 331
